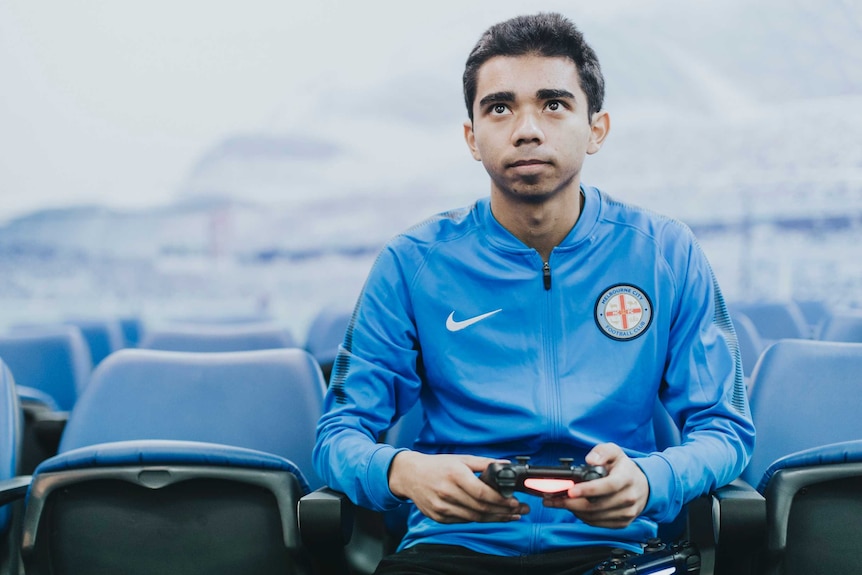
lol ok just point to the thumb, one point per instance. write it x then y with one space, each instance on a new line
604 454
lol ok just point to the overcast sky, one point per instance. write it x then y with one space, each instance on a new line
114 101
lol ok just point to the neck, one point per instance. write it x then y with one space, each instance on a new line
542 225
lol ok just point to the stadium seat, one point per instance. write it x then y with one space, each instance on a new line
750 343
802 399
52 359
815 312
181 463
814 502
103 336
52 366
325 335
217 337
345 538
11 487
775 320
842 325
803 395
132 328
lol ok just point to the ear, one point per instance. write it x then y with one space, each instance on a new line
599 128
470 138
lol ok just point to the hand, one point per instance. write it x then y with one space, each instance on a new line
446 489
613 501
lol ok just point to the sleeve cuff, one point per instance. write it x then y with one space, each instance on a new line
665 496
377 478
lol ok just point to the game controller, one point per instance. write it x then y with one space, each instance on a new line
681 558
507 478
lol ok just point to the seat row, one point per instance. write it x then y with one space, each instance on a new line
160 441
758 324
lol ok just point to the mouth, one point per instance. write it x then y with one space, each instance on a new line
522 163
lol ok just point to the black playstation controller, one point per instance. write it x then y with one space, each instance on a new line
681 558
507 478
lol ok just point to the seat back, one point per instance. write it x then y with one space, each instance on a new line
104 336
325 334
10 438
803 394
132 327
776 320
217 337
842 325
815 311
53 359
266 400
750 342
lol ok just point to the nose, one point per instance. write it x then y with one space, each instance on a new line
527 130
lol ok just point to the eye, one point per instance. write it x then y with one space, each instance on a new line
499 109
554 105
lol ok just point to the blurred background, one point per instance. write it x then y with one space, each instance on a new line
189 157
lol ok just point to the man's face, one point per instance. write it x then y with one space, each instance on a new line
531 127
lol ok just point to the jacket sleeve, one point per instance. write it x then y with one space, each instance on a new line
374 381
704 392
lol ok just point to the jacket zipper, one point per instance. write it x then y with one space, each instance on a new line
546 275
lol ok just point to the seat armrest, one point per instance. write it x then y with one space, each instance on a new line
741 513
14 488
326 518
739 527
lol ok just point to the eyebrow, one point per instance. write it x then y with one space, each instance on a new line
551 94
543 94
497 98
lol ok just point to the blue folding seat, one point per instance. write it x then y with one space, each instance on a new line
325 335
775 319
804 398
54 360
217 337
842 325
12 487
104 336
51 365
814 502
352 539
815 312
750 342
804 393
181 463
132 327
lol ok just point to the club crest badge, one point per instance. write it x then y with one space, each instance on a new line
623 312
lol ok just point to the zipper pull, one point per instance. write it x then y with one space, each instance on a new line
546 275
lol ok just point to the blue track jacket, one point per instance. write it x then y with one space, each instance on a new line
511 355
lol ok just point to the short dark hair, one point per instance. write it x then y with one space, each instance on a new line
543 34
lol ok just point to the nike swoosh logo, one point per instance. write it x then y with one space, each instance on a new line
453 325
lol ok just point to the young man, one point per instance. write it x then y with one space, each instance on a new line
542 321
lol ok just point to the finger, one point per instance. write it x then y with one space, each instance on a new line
476 463
604 454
